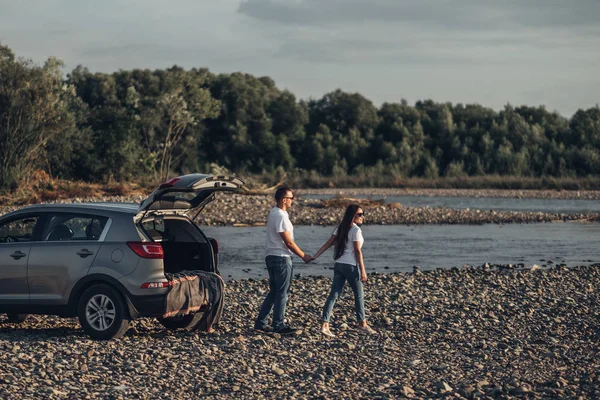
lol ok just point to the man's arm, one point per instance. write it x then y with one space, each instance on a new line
287 239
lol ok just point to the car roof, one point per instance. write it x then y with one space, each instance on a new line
125 208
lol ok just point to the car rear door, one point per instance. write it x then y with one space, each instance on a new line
187 194
16 237
68 246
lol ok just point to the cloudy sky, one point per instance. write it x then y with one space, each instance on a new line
471 51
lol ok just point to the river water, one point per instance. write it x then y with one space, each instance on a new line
392 248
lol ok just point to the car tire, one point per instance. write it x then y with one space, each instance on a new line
16 318
102 313
187 322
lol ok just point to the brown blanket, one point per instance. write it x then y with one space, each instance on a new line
196 291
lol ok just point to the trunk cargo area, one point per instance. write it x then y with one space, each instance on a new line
190 265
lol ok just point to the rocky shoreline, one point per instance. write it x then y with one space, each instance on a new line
456 333
248 210
252 210
500 193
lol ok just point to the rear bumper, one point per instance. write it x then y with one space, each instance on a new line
146 306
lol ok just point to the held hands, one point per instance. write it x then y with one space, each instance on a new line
307 258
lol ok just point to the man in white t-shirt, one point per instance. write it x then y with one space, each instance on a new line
278 257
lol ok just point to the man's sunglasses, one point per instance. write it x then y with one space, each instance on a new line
288 197
360 215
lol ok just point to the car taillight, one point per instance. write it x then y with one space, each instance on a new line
147 249
155 285
169 183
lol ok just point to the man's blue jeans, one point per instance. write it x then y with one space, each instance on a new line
341 274
280 278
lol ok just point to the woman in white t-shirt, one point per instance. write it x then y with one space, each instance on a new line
349 266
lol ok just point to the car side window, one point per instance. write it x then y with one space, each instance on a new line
68 227
18 230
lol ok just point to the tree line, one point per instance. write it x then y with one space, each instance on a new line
142 123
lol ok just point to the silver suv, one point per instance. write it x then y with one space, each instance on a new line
106 262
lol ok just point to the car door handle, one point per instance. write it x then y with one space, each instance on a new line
84 253
17 254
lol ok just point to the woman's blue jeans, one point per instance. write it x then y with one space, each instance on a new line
280 279
341 274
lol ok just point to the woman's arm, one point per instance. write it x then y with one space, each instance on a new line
327 245
359 260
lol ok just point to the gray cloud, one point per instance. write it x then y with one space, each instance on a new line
372 52
459 14
425 31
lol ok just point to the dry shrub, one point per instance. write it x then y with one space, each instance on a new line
47 195
117 189
72 191
40 179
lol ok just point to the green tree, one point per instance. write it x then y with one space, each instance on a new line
34 109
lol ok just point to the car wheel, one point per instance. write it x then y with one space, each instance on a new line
102 313
16 318
183 322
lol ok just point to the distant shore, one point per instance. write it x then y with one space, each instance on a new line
499 193
249 210
242 210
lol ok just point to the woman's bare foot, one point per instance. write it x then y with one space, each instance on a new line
326 331
364 327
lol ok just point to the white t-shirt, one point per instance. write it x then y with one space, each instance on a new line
354 235
278 221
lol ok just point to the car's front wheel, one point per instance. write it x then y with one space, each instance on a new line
187 322
16 318
102 313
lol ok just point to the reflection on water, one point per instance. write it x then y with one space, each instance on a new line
398 248
565 206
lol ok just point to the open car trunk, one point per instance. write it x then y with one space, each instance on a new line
185 247
167 216
195 298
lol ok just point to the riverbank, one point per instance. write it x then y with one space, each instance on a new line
463 333
251 210
243 210
498 193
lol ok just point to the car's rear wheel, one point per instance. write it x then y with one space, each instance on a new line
102 313
16 318
188 322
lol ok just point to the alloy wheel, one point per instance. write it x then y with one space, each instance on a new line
100 312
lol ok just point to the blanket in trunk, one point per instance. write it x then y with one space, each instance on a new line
193 291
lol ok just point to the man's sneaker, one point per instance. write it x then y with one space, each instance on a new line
367 329
287 331
266 329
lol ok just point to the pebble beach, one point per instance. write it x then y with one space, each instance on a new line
475 332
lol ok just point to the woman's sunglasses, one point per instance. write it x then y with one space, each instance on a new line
360 215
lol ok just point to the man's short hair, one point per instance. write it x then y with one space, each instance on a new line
280 193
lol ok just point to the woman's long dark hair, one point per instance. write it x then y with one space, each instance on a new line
343 229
